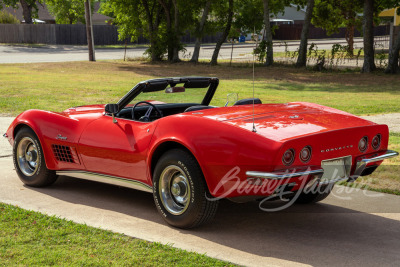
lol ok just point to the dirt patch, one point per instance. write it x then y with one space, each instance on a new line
392 120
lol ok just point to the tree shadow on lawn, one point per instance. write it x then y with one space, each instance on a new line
290 77
336 232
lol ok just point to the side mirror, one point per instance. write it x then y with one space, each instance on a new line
112 109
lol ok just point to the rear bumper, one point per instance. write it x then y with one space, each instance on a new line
360 167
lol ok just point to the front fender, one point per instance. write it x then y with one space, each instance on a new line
47 126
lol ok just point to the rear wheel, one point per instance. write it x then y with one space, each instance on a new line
314 195
29 160
180 191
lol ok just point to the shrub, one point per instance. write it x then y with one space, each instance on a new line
7 18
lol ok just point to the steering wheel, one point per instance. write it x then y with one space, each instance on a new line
146 117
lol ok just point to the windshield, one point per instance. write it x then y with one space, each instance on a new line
191 95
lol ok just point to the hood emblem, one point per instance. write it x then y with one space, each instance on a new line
336 148
60 137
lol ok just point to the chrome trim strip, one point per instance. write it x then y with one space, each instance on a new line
361 165
107 179
281 176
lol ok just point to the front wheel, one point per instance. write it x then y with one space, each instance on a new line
180 192
29 160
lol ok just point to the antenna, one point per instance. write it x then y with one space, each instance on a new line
254 125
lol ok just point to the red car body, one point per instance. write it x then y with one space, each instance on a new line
221 139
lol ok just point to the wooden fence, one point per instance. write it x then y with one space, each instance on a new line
293 32
64 34
57 34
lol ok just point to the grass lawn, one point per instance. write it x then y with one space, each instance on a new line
29 238
57 86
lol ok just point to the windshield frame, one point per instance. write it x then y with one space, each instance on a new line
161 84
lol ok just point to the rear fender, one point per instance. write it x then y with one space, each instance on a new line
219 148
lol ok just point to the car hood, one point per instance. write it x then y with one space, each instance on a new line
281 122
85 109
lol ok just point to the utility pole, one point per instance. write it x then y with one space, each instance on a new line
89 30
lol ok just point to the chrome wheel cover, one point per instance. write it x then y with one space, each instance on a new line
174 190
27 156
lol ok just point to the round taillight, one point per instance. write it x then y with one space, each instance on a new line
288 157
363 144
376 142
305 154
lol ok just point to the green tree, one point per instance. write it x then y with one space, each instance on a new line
200 29
255 15
393 64
136 18
67 11
333 14
7 18
29 8
163 22
225 14
302 58
372 8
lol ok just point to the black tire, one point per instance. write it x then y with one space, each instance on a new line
314 197
197 209
37 175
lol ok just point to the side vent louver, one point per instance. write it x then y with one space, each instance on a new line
64 154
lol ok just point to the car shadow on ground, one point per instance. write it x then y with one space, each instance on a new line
318 234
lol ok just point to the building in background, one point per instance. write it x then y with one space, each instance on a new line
291 13
391 15
44 15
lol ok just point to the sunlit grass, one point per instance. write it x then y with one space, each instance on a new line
29 238
58 86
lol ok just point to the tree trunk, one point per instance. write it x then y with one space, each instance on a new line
89 30
170 34
269 60
175 57
302 59
369 54
393 64
153 30
27 12
350 39
224 34
199 32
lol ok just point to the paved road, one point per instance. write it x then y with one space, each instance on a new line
21 54
362 231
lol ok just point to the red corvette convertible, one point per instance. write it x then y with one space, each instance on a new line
189 155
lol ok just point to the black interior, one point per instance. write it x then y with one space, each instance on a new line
166 109
248 101
172 109
197 107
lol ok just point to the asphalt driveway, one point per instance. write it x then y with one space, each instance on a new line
349 228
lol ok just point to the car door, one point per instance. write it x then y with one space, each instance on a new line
117 149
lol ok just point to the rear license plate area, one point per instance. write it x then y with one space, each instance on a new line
336 169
